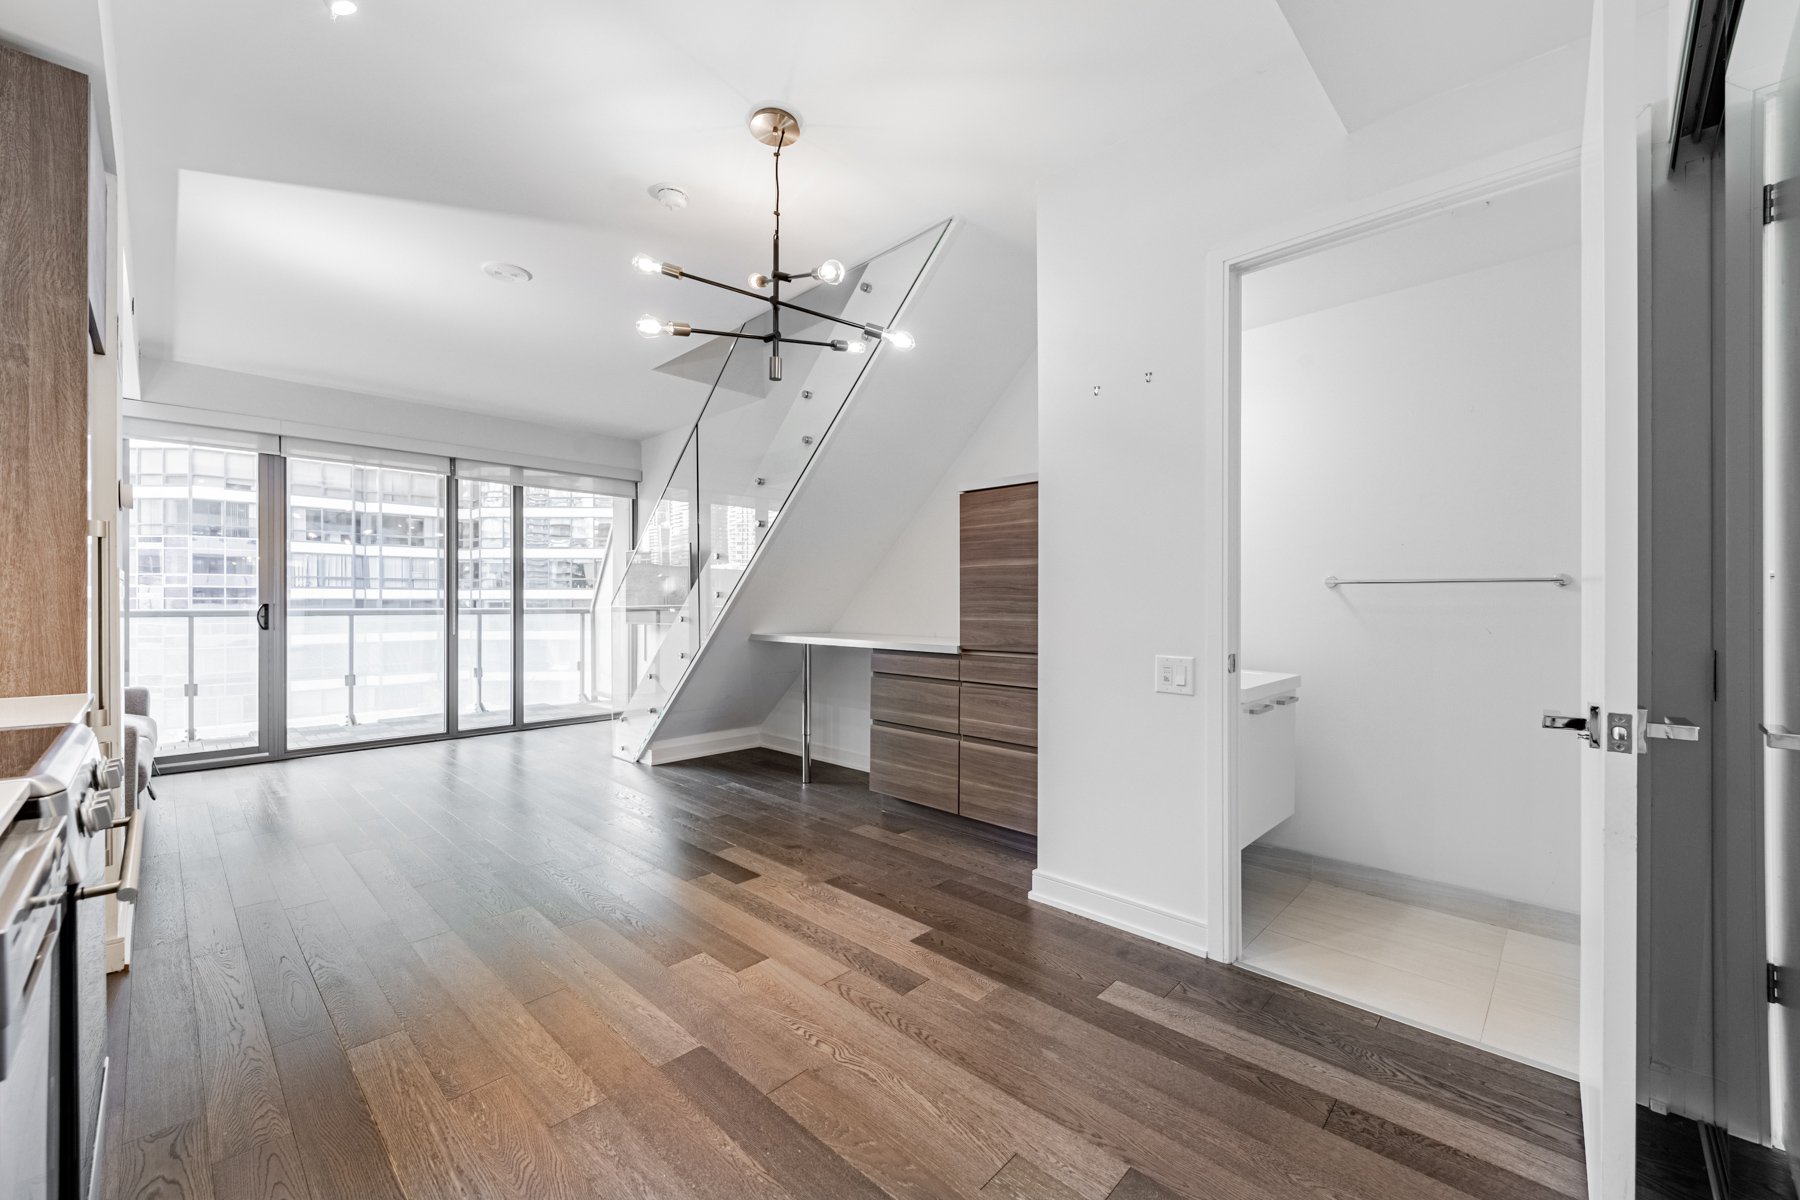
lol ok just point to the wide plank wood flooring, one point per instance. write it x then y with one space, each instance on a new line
514 967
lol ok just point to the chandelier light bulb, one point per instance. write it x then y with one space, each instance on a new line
649 326
341 8
902 340
830 271
646 264
859 346
759 281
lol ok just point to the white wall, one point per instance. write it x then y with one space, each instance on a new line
187 393
1432 431
915 589
1125 548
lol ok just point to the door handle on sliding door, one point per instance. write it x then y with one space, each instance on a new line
262 616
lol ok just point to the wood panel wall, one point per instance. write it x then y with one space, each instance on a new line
43 376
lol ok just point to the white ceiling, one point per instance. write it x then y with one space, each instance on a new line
313 199
1483 233
1375 57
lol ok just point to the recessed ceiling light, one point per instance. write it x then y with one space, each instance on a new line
507 272
340 8
671 196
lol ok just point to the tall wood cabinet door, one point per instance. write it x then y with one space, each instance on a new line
913 765
999 785
43 376
999 568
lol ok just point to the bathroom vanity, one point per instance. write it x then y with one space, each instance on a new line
1267 705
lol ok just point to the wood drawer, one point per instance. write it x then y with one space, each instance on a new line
921 703
912 765
999 714
901 662
999 785
1009 670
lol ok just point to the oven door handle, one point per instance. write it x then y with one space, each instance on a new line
126 885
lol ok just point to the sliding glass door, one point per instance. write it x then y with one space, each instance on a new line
485 611
365 603
567 660
281 604
192 598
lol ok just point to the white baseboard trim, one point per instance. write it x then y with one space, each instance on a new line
831 754
1134 916
698 745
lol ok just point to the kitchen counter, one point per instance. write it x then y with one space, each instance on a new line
35 712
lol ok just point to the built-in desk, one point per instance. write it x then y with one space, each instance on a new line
901 643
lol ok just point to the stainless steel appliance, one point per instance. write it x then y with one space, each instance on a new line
57 800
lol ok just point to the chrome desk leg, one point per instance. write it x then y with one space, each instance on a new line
806 714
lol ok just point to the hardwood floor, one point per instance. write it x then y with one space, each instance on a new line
511 966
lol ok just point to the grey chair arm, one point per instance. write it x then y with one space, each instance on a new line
137 701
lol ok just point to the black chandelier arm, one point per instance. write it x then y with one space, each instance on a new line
749 337
726 286
800 342
815 313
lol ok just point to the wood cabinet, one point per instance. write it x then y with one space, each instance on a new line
998 784
44 195
914 765
921 703
959 732
999 569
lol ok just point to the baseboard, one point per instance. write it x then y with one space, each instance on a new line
855 760
1133 916
1426 893
698 745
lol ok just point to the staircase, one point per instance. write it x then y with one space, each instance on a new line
788 494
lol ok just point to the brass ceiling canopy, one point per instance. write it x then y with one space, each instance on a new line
774 127
778 128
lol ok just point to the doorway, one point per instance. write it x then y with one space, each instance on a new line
1408 604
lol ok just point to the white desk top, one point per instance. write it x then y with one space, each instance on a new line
35 712
913 643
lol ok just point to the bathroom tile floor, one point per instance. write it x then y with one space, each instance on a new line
1506 990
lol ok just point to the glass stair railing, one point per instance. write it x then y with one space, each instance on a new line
745 454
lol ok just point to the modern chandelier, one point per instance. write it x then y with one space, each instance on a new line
778 128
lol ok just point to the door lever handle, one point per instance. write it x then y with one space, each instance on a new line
1674 729
262 616
1780 737
1586 728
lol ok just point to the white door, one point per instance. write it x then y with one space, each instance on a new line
1611 185
1781 597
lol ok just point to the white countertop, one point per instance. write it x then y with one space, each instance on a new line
35 712
910 642
1261 685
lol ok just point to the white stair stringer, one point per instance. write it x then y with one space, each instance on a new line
974 313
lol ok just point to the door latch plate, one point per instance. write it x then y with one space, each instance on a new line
1618 733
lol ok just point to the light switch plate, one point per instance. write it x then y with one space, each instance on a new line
1175 674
